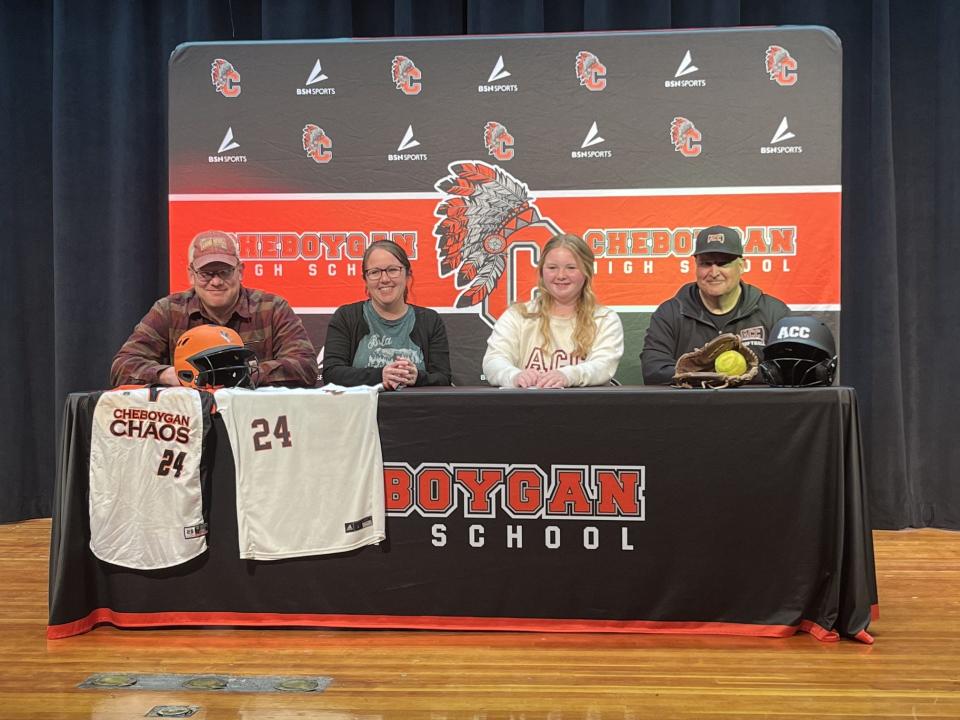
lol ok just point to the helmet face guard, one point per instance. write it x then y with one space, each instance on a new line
220 368
801 353
210 357
798 372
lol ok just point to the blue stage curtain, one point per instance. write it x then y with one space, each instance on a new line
83 183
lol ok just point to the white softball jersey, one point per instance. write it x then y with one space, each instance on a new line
309 470
145 499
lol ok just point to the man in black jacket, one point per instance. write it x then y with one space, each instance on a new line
718 302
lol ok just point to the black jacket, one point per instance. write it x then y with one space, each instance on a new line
682 324
347 327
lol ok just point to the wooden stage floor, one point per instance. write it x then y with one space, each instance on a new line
912 671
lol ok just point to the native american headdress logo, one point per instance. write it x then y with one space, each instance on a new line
591 72
406 75
781 66
498 140
685 137
485 212
225 78
317 143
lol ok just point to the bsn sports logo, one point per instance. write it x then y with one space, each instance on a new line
781 66
317 144
685 137
590 139
228 143
686 67
316 76
715 237
782 134
590 71
406 75
487 222
408 140
498 140
407 143
499 72
225 78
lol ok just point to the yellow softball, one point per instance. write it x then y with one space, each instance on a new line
730 363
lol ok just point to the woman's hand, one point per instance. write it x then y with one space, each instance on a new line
409 369
527 378
552 379
399 373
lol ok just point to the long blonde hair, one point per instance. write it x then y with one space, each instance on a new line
585 325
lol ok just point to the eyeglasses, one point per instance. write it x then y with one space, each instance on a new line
392 272
207 276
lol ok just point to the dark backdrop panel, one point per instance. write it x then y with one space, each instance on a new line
733 100
84 181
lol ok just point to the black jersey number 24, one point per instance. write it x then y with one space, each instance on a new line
261 433
171 461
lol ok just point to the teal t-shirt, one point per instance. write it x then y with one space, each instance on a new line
388 340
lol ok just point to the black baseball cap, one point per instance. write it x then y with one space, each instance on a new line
718 239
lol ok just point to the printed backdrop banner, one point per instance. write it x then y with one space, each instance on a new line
472 152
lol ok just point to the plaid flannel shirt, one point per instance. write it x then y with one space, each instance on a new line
265 322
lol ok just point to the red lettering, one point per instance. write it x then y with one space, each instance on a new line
660 242
754 243
406 240
249 245
356 244
619 492
479 486
595 239
309 246
783 240
536 361
569 494
289 245
231 86
434 490
616 242
334 243
398 489
561 358
683 242
269 245
524 491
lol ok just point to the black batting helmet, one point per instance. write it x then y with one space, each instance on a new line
801 353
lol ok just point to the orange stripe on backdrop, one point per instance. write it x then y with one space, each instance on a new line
425 622
309 250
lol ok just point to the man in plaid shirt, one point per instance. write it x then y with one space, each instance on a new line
265 322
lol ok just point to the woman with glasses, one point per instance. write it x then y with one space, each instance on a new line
384 339
562 338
